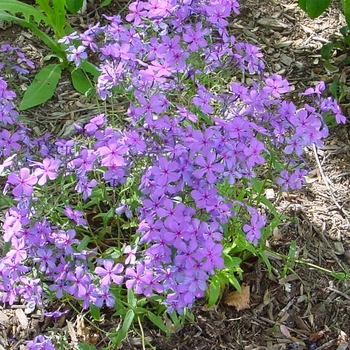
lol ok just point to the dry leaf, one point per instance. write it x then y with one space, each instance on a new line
22 318
72 332
285 331
239 300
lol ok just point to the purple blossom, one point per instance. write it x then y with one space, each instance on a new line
76 54
109 272
276 85
48 170
23 182
253 231
208 167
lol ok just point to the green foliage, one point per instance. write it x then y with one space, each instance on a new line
73 6
315 8
52 14
43 86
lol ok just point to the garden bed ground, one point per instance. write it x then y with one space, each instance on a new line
307 308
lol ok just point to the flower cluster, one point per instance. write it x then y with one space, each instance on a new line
13 59
183 144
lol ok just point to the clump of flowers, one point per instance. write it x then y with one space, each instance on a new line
14 62
167 169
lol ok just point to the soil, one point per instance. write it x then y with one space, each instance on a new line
298 307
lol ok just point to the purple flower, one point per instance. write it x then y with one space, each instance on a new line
112 153
138 278
80 280
24 182
136 12
109 272
202 100
85 187
95 124
9 142
48 170
75 215
103 295
40 343
276 85
76 54
208 167
131 255
253 152
253 231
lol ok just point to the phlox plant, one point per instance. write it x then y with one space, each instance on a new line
157 206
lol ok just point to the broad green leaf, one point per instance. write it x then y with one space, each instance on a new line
156 320
90 68
80 81
42 88
326 50
315 8
129 317
346 10
302 4
28 11
74 6
214 291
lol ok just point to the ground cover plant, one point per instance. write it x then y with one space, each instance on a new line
146 212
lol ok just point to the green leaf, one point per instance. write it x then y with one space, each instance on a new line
95 312
90 68
42 88
83 346
339 275
214 291
326 50
131 298
156 320
83 243
233 280
56 15
106 3
344 31
266 261
333 88
291 257
330 67
302 4
80 81
129 317
315 8
346 10
74 6
28 11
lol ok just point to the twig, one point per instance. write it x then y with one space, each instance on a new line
338 292
327 184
